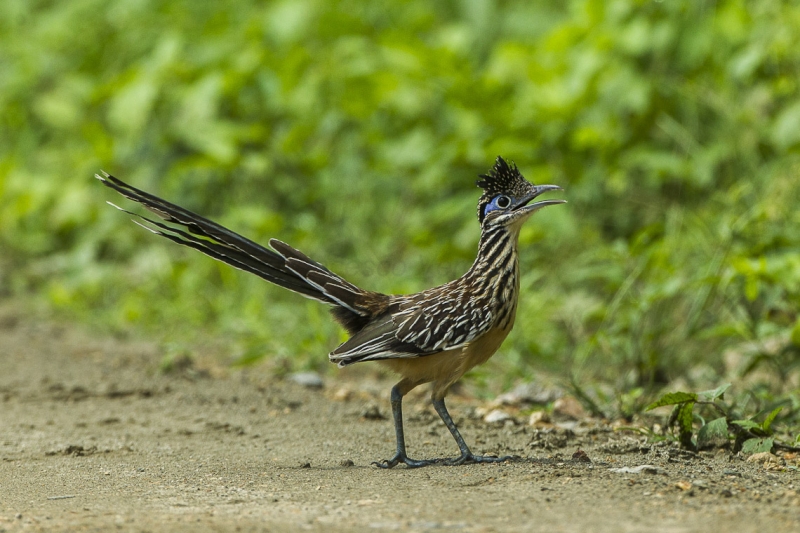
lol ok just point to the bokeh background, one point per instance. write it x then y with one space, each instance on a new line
355 131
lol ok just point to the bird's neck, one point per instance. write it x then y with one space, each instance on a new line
497 252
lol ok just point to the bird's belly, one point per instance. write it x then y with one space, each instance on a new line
435 367
481 349
445 368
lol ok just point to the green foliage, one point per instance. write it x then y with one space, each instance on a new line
355 130
750 436
764 428
758 445
714 431
711 395
673 398
683 417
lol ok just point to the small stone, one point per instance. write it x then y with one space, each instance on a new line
581 456
764 458
569 407
646 469
531 393
342 395
684 485
538 418
372 412
346 462
495 416
311 380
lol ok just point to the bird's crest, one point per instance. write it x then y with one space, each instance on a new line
501 179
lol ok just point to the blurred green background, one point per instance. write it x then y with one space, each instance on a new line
355 131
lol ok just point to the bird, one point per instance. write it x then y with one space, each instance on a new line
433 336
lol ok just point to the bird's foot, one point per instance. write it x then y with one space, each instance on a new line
403 458
470 458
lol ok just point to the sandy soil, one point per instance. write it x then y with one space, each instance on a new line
95 438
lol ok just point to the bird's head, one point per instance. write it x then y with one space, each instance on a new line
507 195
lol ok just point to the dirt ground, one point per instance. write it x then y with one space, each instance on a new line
95 438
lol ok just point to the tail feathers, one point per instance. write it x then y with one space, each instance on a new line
228 255
288 268
193 222
331 285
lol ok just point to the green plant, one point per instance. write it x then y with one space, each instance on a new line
748 435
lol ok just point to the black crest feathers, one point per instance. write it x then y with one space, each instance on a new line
501 179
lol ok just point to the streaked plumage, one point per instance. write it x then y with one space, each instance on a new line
432 336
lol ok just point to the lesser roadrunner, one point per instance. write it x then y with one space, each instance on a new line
432 336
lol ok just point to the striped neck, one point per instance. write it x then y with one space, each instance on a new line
497 253
495 274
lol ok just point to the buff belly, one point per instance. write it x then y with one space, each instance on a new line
445 368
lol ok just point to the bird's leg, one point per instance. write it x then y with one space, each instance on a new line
466 455
398 391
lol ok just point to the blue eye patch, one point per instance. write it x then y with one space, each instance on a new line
500 202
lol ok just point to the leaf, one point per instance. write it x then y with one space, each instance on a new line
786 128
711 395
765 425
673 398
684 420
751 288
796 333
757 445
746 424
716 430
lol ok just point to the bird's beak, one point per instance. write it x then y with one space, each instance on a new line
526 207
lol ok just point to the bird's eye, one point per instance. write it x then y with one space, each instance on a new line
500 202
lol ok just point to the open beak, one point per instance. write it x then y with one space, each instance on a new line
526 207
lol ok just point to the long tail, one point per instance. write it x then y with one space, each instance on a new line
284 266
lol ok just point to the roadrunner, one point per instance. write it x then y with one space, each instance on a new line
433 336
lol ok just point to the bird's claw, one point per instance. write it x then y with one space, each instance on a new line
470 458
403 458
464 459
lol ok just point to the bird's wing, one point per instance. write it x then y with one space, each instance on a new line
416 329
377 340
